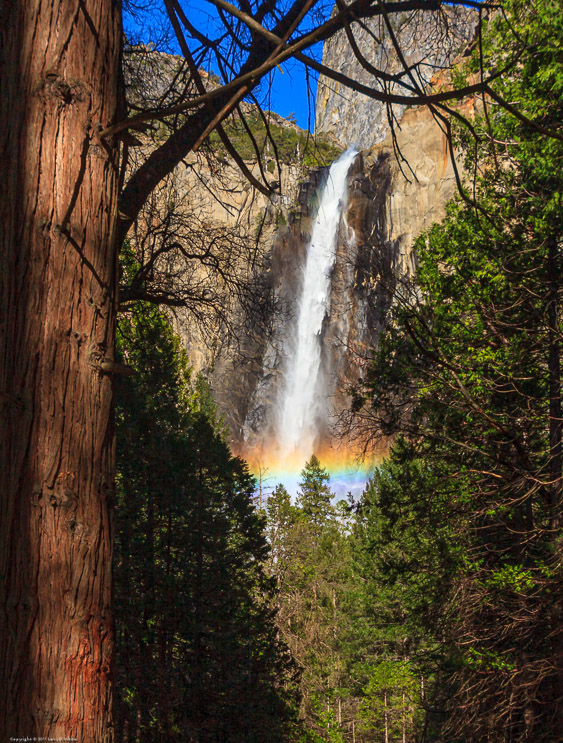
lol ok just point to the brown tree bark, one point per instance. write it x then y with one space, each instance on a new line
58 211
555 468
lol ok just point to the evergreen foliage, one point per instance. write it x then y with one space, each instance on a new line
353 608
291 143
311 564
198 658
314 496
469 371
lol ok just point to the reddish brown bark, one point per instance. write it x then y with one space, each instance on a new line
58 207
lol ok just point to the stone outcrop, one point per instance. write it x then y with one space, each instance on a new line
414 190
225 342
429 41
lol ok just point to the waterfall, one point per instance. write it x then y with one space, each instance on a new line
302 398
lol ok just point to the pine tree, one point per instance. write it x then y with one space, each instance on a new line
315 496
280 519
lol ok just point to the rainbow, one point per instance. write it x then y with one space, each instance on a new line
348 467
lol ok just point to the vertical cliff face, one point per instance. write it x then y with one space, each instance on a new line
389 207
429 42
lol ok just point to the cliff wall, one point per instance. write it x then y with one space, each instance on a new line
429 41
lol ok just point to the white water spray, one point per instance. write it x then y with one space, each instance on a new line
302 397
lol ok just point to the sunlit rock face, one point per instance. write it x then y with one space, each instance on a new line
430 40
223 198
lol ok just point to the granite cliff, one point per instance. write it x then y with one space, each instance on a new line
429 44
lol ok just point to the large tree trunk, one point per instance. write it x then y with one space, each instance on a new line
555 469
58 204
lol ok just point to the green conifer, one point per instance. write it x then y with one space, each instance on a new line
315 496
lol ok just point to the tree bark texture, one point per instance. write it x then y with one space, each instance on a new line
555 467
58 211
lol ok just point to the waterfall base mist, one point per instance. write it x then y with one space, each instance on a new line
347 473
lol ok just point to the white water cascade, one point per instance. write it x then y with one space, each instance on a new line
302 397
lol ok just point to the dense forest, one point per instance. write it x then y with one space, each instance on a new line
427 610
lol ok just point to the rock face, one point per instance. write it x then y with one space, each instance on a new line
413 192
246 221
429 42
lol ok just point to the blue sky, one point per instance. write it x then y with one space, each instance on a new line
288 92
